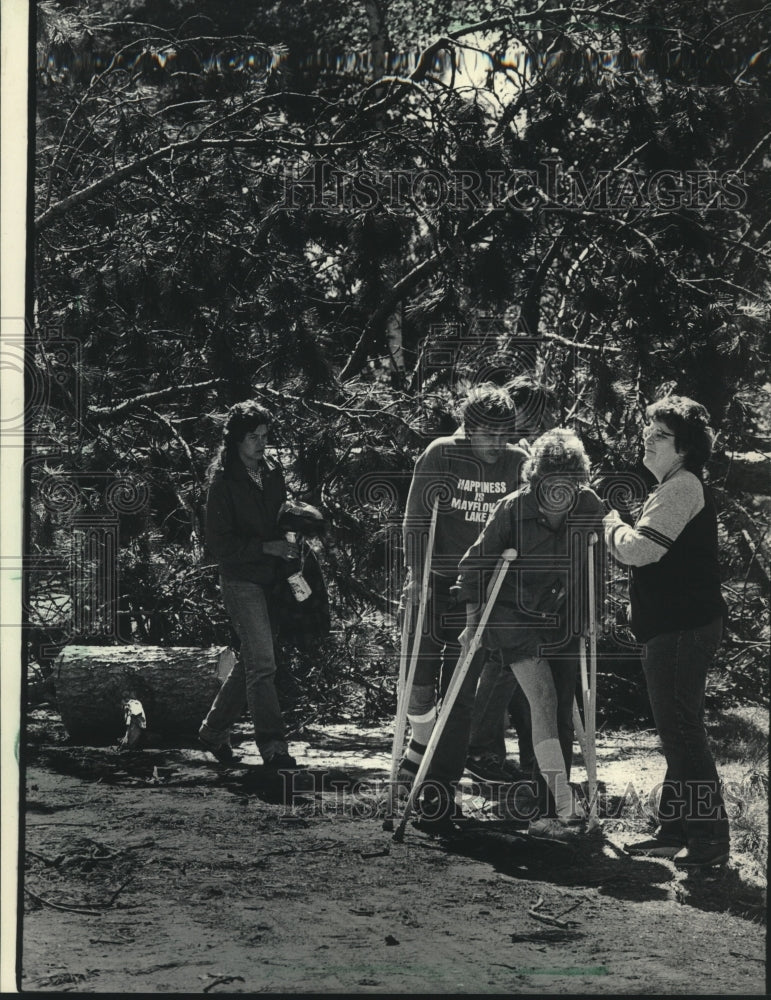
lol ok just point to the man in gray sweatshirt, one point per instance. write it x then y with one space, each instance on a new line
465 474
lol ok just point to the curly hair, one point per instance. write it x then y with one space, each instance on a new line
241 419
689 422
487 407
557 453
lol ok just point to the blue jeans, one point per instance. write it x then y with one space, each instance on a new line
252 680
691 806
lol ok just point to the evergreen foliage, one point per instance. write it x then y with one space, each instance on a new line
181 266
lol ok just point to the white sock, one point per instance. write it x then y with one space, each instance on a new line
551 763
421 714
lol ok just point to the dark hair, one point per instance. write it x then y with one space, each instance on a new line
557 452
689 422
241 419
531 398
488 407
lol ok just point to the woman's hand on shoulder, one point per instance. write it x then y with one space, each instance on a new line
589 502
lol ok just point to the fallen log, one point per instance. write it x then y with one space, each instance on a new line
745 472
175 685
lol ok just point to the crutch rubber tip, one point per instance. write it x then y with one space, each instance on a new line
509 554
388 825
399 835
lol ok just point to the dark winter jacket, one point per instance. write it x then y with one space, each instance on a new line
240 517
542 599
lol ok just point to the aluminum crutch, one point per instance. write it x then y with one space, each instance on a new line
578 726
456 682
589 687
407 675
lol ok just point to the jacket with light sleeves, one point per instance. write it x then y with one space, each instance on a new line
673 554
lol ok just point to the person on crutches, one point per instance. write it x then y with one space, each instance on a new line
499 698
540 605
456 483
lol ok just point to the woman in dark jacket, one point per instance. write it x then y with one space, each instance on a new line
246 492
678 613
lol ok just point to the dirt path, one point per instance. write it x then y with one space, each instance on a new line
194 879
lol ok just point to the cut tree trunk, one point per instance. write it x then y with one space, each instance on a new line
176 686
747 472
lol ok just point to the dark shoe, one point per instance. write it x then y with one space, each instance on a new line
514 772
222 751
703 855
563 831
525 801
654 847
281 762
487 767
442 826
516 802
435 812
404 778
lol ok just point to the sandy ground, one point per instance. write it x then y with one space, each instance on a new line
156 871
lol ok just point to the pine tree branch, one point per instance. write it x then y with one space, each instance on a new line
177 437
44 220
105 413
280 397
424 270
531 306
110 180
602 348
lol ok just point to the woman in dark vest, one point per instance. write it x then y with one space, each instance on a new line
678 613
246 492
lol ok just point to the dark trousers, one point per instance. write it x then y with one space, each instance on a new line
691 806
438 657
444 620
450 754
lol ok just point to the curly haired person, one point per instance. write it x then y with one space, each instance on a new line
539 611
